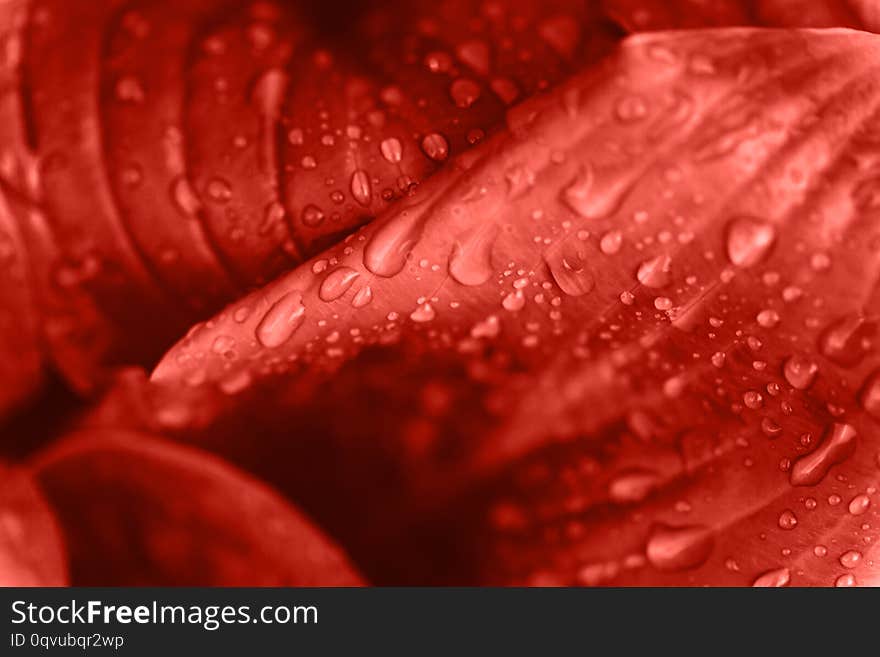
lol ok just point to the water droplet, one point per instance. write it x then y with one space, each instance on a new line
768 318
282 320
848 340
611 242
770 428
386 251
435 146
464 92
655 273
749 240
811 468
773 578
870 395
312 216
753 399
424 313
392 150
845 581
632 486
859 504
337 283
514 301
362 297
470 262
567 264
787 520
219 190
850 558
360 187
679 548
184 196
595 195
800 372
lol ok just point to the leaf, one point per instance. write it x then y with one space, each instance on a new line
636 15
137 510
190 150
31 546
655 292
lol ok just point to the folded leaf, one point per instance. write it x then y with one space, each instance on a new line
659 288
137 510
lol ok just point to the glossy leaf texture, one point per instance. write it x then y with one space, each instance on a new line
137 510
161 158
631 339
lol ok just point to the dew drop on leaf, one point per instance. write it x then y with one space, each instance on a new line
773 578
337 283
679 548
811 468
281 321
800 372
470 262
749 240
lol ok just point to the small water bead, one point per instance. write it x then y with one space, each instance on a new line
679 548
424 313
360 186
470 262
596 194
337 283
222 344
435 146
655 273
464 92
632 486
312 216
627 298
505 89
488 328
800 372
308 162
718 359
770 428
753 399
438 61
281 321
859 504
362 297
811 468
820 551
850 558
845 581
514 301
834 499
788 520
773 578
768 318
820 262
810 503
749 240
392 150
611 242
185 197
663 303
241 314
848 340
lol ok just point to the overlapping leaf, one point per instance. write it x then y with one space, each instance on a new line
656 289
136 511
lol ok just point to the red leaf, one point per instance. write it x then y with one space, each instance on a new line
138 511
31 548
624 275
